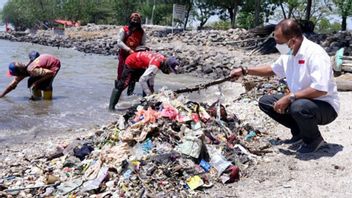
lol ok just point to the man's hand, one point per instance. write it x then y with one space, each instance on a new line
281 105
236 73
130 51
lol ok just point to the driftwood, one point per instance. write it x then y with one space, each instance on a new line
203 86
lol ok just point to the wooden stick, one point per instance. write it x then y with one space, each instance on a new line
203 86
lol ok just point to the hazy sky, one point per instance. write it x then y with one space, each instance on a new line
2 2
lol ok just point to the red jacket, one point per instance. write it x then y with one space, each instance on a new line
142 60
133 39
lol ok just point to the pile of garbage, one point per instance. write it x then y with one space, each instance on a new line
164 146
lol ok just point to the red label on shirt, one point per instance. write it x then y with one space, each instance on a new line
301 62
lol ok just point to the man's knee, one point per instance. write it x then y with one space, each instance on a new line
302 108
266 102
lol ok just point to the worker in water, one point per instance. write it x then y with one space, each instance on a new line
143 67
41 72
129 38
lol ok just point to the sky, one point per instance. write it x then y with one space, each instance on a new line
2 2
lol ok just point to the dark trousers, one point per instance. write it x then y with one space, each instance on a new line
121 65
129 78
302 116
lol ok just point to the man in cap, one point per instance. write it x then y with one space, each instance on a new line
129 38
142 66
41 72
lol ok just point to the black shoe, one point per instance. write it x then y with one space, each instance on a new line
312 147
130 88
294 140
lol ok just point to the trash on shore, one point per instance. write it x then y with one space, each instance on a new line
166 145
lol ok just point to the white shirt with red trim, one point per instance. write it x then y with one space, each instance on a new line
310 67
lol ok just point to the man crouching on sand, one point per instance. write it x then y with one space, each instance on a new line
313 98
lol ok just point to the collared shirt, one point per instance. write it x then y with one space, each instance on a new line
310 67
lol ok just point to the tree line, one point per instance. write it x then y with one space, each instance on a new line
247 14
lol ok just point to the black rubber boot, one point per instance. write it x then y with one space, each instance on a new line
130 88
114 98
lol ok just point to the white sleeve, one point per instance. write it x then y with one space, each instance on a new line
320 71
120 37
148 75
278 67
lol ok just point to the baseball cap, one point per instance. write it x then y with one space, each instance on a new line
33 55
172 62
12 69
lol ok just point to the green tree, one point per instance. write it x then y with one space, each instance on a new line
206 10
325 26
344 9
123 9
252 13
17 14
228 9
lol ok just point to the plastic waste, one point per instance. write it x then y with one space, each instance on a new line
93 170
196 125
94 184
121 123
169 112
219 162
51 179
69 186
194 182
127 174
142 149
192 145
234 173
249 137
82 152
205 165
147 145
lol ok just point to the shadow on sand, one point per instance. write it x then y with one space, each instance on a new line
328 150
